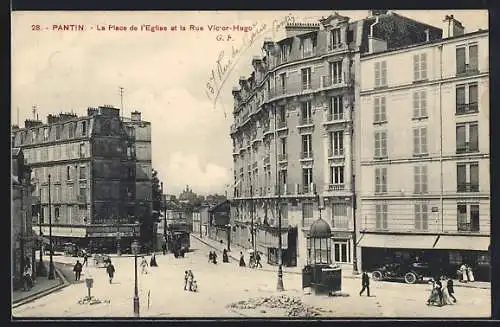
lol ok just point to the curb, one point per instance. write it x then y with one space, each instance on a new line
350 276
63 283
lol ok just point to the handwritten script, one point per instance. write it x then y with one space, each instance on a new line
227 60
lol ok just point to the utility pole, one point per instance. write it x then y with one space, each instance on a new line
354 235
51 263
251 216
278 203
121 100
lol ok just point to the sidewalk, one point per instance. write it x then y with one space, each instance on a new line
346 268
42 286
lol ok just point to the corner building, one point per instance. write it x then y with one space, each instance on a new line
293 133
98 175
423 148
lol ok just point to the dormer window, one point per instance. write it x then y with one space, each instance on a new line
284 53
307 47
335 39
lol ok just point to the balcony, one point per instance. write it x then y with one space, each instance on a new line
332 117
467 147
267 160
468 69
306 155
282 124
467 108
467 187
81 198
282 157
305 121
335 81
309 188
338 152
336 187
468 227
306 86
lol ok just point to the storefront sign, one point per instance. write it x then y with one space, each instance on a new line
65 231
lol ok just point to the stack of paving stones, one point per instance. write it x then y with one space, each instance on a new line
294 306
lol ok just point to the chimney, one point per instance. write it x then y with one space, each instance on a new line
372 13
375 44
452 27
135 116
29 123
427 39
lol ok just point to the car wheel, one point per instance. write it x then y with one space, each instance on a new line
377 275
410 278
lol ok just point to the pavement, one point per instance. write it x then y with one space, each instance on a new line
347 270
42 287
161 293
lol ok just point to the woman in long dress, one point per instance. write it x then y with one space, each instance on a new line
434 296
444 290
470 274
463 270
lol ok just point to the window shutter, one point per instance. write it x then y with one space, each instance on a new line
460 96
383 77
423 66
377 180
383 144
378 218
423 140
416 179
473 64
416 141
416 70
384 221
377 74
472 94
383 179
382 109
417 216
460 58
376 110
423 179
377 144
416 104
423 103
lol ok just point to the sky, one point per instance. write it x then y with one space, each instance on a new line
164 75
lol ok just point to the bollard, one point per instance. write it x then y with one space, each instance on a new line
88 283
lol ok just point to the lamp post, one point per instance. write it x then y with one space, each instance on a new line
41 267
135 248
278 204
118 237
51 263
164 207
354 235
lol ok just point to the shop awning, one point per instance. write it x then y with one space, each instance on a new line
463 242
389 241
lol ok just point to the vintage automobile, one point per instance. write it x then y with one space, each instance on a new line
411 272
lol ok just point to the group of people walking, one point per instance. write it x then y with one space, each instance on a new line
465 273
442 292
27 276
189 281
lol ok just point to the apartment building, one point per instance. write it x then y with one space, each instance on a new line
423 149
94 197
293 133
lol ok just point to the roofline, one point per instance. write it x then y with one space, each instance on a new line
423 44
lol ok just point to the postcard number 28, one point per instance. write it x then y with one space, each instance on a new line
35 27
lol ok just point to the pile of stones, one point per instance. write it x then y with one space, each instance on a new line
294 306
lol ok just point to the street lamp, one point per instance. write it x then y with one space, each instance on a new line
278 204
354 235
135 249
51 263
164 205
118 237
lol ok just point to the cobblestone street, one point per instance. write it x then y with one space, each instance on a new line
224 284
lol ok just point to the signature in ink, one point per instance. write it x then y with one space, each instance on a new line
226 61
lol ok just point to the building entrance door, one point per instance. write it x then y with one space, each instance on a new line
341 251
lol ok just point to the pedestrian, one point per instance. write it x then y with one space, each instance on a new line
78 270
190 280
144 265
27 277
152 262
439 289
85 259
225 257
444 291
257 260
214 258
365 283
242 260
164 248
433 297
463 273
451 291
186 277
470 274
210 256
110 269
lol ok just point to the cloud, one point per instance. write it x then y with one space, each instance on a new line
183 169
